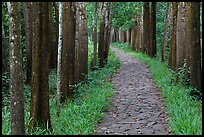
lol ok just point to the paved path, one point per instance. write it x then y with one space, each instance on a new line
137 106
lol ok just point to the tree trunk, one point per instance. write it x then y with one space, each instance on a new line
68 51
93 64
153 50
56 28
165 29
83 42
53 48
101 36
39 109
59 60
117 34
4 62
146 28
193 32
29 38
16 78
181 30
138 39
108 33
134 34
173 37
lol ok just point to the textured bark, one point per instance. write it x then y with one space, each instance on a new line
101 35
39 109
165 29
153 50
68 51
172 58
59 60
113 35
56 28
83 42
16 77
146 28
141 30
108 33
93 64
117 34
181 31
120 34
193 32
29 38
134 33
53 48
129 36
4 62
123 36
138 36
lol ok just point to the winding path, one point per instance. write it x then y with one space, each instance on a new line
137 106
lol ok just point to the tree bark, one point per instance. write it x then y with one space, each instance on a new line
134 33
165 30
193 32
29 38
39 109
68 51
84 42
93 64
4 62
173 37
16 78
59 61
153 50
181 31
101 36
108 33
53 48
146 28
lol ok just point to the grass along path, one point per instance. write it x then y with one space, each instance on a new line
184 114
80 116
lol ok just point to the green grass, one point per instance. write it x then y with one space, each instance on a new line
184 114
81 116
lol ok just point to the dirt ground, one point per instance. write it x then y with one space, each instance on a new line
137 106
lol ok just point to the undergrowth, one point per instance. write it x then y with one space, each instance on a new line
80 116
184 113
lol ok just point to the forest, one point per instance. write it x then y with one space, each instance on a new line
102 68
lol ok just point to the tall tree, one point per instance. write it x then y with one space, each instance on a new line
68 51
152 49
93 63
16 78
146 27
53 48
165 31
138 37
56 28
193 32
172 54
108 33
4 62
134 33
28 18
83 42
59 60
181 31
39 109
101 35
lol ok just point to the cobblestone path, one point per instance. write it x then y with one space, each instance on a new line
137 106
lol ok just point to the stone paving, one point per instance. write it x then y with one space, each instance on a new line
137 106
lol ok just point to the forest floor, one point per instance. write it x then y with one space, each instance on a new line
137 105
